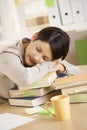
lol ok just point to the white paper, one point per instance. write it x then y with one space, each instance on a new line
33 110
9 121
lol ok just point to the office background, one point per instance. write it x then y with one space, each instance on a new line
20 18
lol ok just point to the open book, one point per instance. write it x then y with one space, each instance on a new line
45 81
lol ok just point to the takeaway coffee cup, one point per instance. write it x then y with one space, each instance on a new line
61 106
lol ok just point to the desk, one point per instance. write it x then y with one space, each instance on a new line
78 119
83 67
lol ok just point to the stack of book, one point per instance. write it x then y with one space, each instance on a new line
74 86
50 85
35 94
77 94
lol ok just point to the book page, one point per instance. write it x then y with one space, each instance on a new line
78 98
9 121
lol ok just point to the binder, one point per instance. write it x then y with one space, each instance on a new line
65 11
53 14
77 9
85 8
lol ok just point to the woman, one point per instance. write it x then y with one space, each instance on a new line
28 60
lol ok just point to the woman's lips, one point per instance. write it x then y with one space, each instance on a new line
31 60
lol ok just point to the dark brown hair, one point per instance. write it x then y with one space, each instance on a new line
58 39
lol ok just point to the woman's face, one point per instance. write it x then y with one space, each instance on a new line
37 52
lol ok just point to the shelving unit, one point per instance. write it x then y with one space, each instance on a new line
28 5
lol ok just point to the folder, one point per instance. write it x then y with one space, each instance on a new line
85 8
65 11
53 14
77 9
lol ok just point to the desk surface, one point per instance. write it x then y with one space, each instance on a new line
78 119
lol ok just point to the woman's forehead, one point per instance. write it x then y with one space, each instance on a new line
46 49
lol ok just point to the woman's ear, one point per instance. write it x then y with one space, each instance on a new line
35 35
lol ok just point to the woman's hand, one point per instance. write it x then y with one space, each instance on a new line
58 67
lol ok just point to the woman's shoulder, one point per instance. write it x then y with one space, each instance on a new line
15 49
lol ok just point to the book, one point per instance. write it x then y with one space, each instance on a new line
78 98
45 81
32 101
15 92
74 90
70 81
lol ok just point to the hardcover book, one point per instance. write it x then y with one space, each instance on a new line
78 98
15 92
32 101
74 90
70 81
45 81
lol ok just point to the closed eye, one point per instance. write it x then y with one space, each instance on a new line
38 49
45 58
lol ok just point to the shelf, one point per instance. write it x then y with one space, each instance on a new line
75 27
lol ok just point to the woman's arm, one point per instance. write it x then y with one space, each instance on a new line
11 66
65 67
70 69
